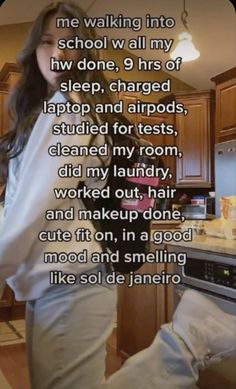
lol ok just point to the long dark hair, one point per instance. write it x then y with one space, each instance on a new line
31 89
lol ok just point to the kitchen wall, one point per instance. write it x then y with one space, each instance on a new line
12 38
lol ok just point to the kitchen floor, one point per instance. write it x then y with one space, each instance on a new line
13 364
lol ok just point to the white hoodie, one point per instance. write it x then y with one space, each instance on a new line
29 194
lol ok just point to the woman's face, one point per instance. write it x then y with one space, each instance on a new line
47 49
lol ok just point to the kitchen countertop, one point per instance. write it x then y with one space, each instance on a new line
199 242
208 243
161 222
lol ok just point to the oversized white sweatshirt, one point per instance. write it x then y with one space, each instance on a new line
29 194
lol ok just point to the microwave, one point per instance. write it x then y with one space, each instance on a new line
197 211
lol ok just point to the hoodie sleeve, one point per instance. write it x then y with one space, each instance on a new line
34 195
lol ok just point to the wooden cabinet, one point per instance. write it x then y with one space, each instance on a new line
7 298
156 140
196 137
4 117
10 309
225 105
142 309
9 75
128 98
195 140
162 140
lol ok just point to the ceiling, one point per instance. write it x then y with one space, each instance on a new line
211 22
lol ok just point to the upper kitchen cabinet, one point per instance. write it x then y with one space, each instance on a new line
225 105
195 140
162 140
4 118
129 98
8 78
152 120
10 74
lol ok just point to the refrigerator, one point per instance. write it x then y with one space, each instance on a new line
225 171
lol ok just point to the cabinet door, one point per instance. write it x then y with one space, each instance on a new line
140 313
226 111
1 113
162 140
9 79
7 298
142 309
195 141
129 98
9 75
4 116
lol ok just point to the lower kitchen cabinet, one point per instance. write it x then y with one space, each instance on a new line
11 309
9 75
7 298
141 310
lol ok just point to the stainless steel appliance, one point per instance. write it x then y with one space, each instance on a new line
225 171
214 276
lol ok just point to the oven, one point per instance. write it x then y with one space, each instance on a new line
213 275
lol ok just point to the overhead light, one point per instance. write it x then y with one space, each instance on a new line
185 47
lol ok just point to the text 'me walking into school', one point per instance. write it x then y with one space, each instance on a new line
67 325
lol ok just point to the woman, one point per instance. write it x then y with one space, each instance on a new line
68 325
